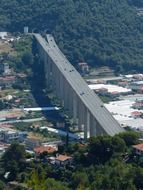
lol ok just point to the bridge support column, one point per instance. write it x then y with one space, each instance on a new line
75 108
66 95
84 120
71 97
46 70
87 126
80 116
61 92
93 126
57 81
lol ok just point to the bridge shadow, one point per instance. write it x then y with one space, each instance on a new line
38 86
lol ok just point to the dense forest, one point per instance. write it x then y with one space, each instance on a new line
138 3
104 163
100 32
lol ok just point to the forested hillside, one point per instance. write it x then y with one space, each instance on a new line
101 32
138 3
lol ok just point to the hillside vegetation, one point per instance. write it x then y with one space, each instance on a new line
138 3
101 32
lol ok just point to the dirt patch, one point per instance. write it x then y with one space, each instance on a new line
6 47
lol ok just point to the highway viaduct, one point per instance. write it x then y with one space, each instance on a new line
83 105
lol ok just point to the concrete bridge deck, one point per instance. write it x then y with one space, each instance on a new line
83 104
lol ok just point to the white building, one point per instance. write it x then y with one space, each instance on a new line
110 88
10 135
3 148
3 35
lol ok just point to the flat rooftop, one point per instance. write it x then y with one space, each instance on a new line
123 113
110 88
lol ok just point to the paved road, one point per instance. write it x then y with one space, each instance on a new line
61 132
104 79
22 120
41 109
138 97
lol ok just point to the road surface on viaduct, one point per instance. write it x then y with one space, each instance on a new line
83 105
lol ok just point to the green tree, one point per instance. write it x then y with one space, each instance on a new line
137 175
99 32
80 180
54 185
2 105
13 160
2 185
118 144
130 137
114 175
100 149
27 58
37 182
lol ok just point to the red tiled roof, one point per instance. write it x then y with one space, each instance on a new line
136 113
138 104
4 145
41 149
63 157
12 116
9 78
138 147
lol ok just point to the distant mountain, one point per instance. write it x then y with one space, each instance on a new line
101 32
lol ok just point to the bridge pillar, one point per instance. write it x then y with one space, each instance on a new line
61 79
75 108
57 81
82 113
46 69
93 126
87 126
66 95
71 97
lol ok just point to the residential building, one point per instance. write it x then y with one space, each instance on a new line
7 81
33 142
7 70
3 35
83 67
138 149
45 148
63 160
137 86
3 148
136 114
8 135
11 136
138 105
